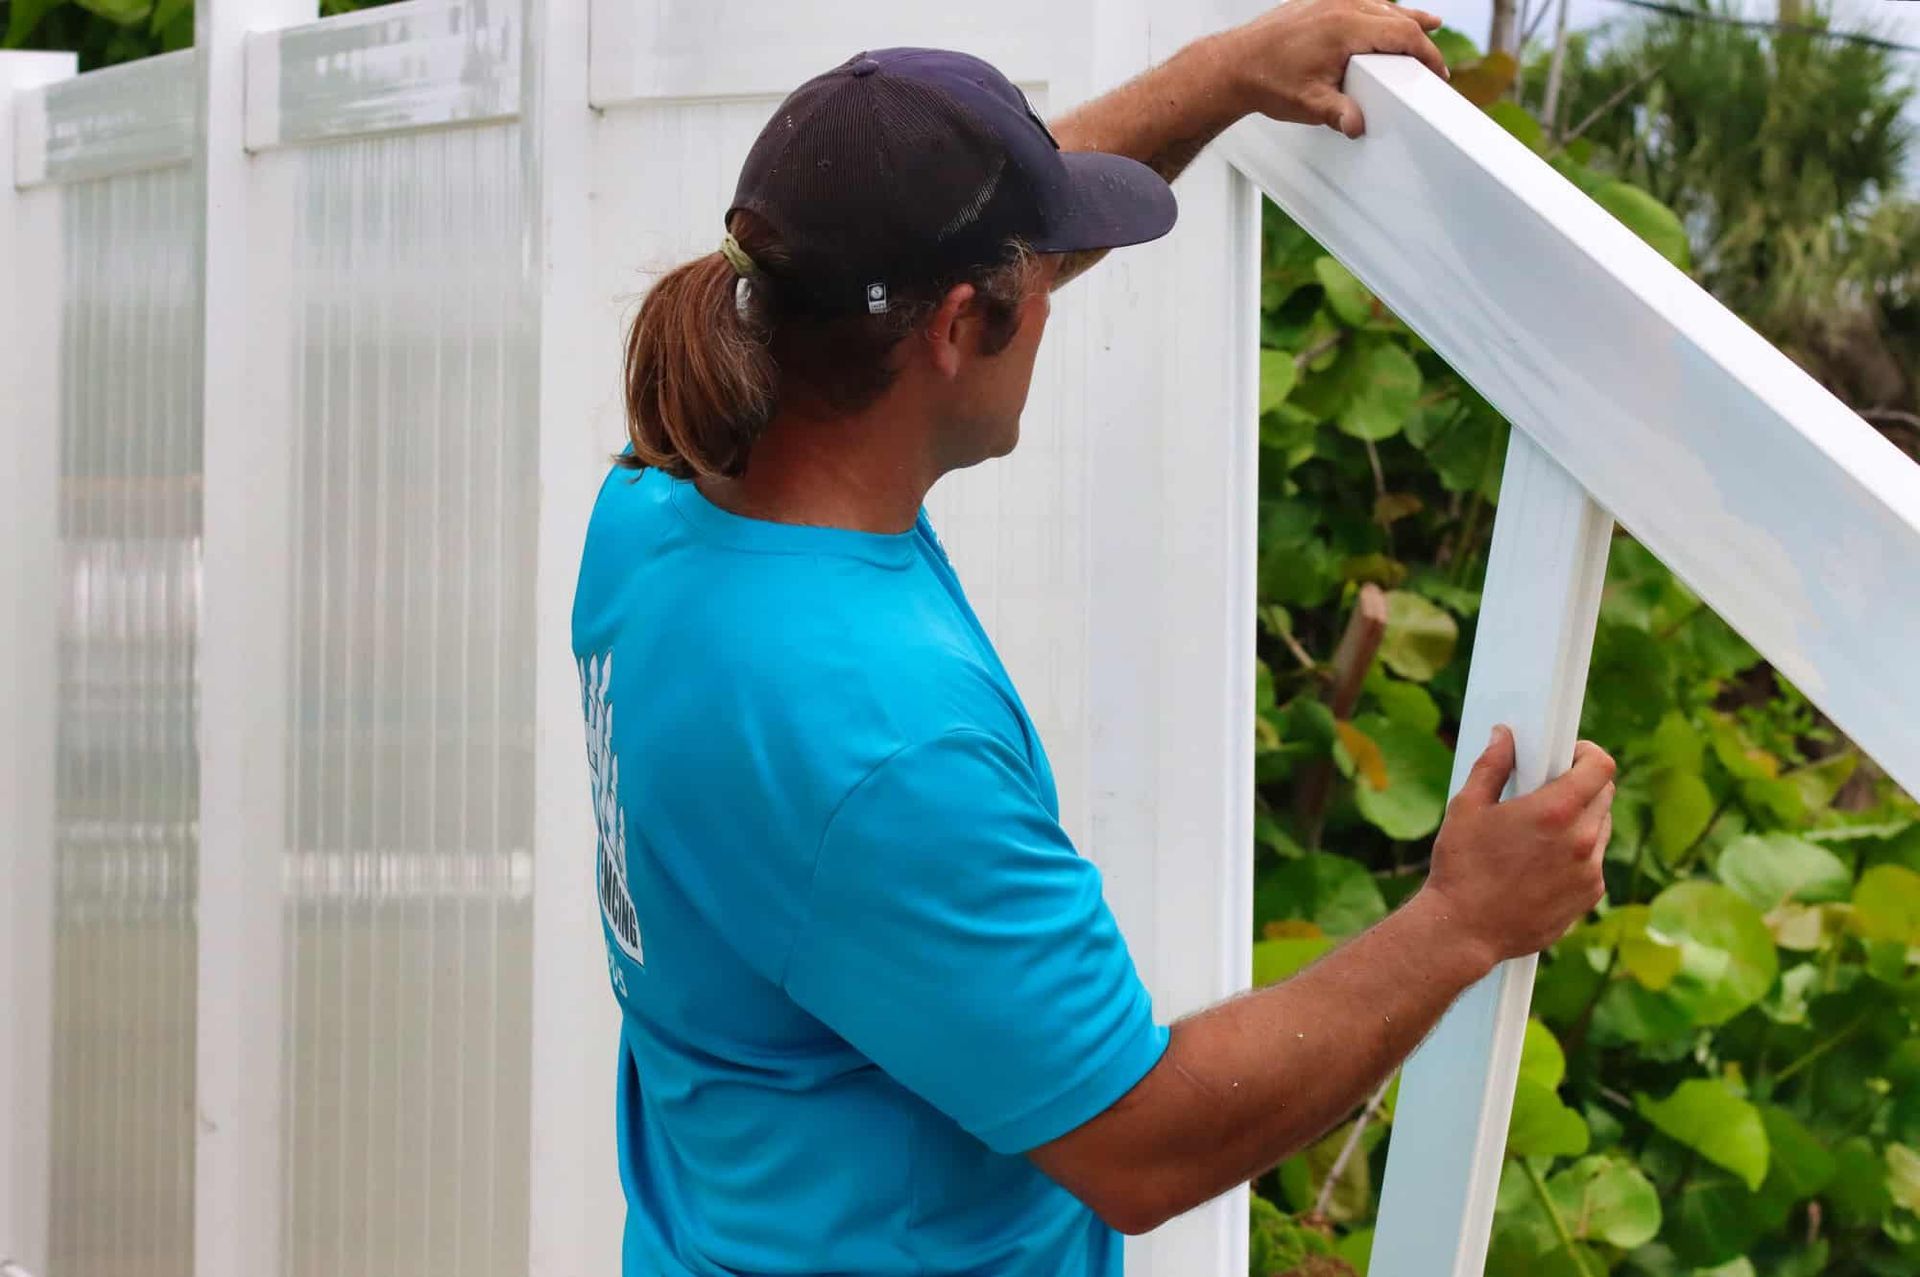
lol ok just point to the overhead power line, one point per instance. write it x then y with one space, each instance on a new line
1761 24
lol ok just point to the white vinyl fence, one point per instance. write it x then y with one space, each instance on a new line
310 371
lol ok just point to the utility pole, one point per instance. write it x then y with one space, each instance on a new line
1504 34
1556 70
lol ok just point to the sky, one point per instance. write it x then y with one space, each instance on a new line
1891 19
1895 19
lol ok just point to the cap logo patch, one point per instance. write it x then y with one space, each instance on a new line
876 299
1034 115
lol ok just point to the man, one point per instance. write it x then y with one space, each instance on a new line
877 1017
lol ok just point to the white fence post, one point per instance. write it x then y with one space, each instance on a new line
1537 615
30 280
243 646
1172 518
575 1209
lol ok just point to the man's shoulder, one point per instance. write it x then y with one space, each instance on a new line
881 667
830 653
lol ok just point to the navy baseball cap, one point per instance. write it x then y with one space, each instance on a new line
911 166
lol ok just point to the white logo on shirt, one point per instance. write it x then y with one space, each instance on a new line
616 901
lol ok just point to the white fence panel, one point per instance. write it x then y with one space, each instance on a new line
402 346
340 310
133 116
405 66
127 796
111 192
410 793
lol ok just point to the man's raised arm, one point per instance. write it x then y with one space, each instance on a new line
1288 63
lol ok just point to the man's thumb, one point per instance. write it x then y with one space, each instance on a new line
1490 771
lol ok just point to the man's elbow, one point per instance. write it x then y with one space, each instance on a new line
1135 1204
1133 1223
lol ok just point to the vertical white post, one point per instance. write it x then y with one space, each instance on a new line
30 280
576 1210
243 685
1537 615
1173 521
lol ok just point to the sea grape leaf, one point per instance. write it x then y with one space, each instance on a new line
1727 958
1706 1115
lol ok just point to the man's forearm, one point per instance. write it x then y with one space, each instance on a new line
1253 1080
1277 1068
1289 63
1260 1076
1162 117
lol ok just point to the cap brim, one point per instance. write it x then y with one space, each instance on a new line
1112 202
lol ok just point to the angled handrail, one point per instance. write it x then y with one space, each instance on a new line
1788 514
1636 395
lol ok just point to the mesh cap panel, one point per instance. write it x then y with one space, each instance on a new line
876 179
907 166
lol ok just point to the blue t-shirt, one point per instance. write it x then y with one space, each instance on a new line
862 968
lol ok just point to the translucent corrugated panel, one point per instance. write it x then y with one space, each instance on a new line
409 870
127 787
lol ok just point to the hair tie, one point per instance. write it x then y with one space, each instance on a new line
743 265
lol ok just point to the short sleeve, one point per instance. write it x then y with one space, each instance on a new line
956 938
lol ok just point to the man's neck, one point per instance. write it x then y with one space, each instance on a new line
859 472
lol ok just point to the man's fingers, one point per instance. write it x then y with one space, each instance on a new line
1489 773
1335 109
1591 772
1397 35
1587 830
1391 8
1560 801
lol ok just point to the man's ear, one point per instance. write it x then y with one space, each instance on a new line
949 333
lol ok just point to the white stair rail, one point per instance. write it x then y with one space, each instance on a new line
1636 393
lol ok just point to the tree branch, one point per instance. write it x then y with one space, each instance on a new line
1366 625
1618 96
1898 416
1325 1196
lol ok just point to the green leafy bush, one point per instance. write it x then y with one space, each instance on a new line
104 32
1723 1072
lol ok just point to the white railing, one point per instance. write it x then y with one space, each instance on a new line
1637 397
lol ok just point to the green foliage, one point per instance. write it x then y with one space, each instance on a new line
1727 958
1405 798
1281 1244
1723 1072
104 32
1781 156
1609 1200
1707 1116
1420 636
